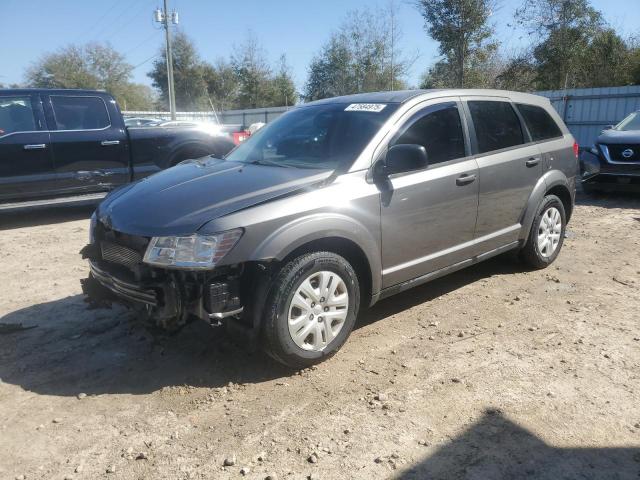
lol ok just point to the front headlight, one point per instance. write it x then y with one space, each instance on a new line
195 251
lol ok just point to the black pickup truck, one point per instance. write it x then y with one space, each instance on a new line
72 146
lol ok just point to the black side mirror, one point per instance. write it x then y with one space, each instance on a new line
608 127
405 158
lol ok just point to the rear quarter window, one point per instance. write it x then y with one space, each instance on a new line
540 124
496 124
80 113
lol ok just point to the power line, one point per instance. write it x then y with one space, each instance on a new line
135 16
145 61
104 15
144 42
110 24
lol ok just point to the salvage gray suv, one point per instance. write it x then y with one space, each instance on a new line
335 205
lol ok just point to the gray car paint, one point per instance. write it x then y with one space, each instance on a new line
352 206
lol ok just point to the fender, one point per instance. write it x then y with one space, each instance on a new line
545 183
320 226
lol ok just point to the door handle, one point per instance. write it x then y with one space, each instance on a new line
35 146
465 179
532 162
106 143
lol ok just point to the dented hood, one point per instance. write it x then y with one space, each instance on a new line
178 201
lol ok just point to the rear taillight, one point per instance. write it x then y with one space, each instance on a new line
576 149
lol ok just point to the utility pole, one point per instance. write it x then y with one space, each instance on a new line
163 16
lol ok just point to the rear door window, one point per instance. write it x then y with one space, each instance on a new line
496 124
540 124
16 115
80 113
439 131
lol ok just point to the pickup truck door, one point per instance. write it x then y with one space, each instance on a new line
89 142
26 162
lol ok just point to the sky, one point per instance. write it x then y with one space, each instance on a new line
298 29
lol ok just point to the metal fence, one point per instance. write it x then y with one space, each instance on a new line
586 111
229 117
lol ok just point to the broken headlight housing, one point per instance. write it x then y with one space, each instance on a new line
193 252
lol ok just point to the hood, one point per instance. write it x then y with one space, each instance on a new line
178 201
619 136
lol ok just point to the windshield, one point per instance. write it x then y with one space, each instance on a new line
321 136
632 122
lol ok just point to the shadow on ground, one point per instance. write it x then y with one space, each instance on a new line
45 216
496 448
109 351
609 199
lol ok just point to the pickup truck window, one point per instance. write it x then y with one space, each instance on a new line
16 115
80 113
439 131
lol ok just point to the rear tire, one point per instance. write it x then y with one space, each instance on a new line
310 309
547 234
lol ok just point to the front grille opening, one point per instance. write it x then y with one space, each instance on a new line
624 153
120 254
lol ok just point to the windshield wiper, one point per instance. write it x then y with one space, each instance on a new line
270 164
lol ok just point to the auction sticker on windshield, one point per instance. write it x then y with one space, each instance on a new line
365 107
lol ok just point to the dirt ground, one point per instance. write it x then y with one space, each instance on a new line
493 372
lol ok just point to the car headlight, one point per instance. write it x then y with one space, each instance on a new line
195 251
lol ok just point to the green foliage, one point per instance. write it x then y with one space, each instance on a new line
188 74
577 48
222 84
92 66
362 56
465 36
245 81
283 89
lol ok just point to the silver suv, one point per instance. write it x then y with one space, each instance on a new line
337 204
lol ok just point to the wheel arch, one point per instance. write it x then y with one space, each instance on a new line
183 151
552 183
346 248
331 232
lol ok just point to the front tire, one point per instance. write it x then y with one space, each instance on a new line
311 309
547 234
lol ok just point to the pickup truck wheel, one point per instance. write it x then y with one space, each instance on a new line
310 309
547 234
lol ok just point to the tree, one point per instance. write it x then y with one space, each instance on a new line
361 56
519 73
330 71
222 84
577 47
253 74
92 66
188 75
566 28
283 90
463 31
609 61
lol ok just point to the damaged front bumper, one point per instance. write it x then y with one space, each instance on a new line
168 297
